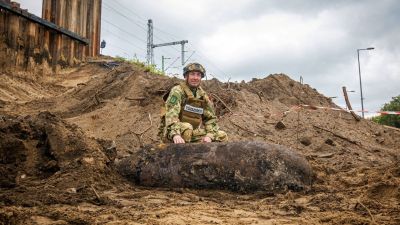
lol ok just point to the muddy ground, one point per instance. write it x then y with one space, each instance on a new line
60 136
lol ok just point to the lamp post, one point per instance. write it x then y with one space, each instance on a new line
359 74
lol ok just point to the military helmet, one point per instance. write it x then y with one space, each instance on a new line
194 67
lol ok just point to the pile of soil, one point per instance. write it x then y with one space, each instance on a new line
60 134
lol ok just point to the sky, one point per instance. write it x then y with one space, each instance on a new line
244 39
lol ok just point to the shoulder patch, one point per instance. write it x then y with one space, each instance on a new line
173 99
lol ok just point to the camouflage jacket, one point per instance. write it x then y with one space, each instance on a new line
173 106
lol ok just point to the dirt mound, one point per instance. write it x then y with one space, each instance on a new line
47 161
23 88
289 92
53 164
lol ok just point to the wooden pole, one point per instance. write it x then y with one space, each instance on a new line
346 98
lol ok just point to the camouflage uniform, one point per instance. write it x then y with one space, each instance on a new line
173 116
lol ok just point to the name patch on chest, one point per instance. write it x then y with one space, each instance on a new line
193 109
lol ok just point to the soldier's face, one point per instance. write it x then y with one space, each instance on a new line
193 78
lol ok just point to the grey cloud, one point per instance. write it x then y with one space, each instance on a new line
325 66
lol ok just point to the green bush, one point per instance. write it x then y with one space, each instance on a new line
390 120
147 68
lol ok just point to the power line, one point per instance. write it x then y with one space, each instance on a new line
136 14
168 53
119 48
199 53
125 54
162 40
119 13
121 29
172 35
172 63
189 57
131 43
156 37
123 15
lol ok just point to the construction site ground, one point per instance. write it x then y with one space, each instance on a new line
60 135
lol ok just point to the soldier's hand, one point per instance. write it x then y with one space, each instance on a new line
206 139
178 139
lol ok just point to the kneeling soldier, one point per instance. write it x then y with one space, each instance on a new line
187 108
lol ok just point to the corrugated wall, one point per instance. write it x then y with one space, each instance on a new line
79 16
38 46
21 44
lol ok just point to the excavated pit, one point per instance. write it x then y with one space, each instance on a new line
56 167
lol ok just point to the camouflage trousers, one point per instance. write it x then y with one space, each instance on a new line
195 135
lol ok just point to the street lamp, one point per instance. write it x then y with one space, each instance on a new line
359 74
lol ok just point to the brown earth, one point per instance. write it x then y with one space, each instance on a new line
59 137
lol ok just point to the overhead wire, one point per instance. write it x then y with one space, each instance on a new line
202 56
162 31
163 40
136 22
198 53
172 63
126 17
178 51
130 10
119 48
176 37
121 29
142 25
189 57
124 30
127 41
130 19
162 49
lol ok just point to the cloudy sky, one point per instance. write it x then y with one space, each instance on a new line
245 39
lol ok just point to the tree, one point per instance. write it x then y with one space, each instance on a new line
390 120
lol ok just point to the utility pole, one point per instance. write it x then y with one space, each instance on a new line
150 53
175 43
359 75
162 63
183 52
151 46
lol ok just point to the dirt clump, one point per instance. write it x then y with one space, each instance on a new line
47 161
60 134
